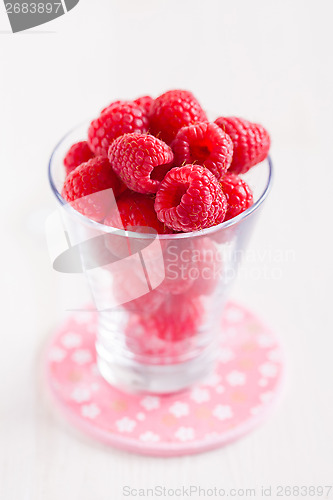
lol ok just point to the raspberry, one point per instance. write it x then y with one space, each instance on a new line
119 118
238 193
92 177
140 160
169 330
172 111
145 102
178 318
251 142
113 103
134 211
190 198
77 154
206 144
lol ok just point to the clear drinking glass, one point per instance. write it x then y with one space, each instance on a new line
160 298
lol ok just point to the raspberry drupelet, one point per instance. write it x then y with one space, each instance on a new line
190 198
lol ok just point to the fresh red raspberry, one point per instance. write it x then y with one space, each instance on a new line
145 102
172 111
84 188
140 160
144 339
168 332
238 193
121 117
144 305
206 144
135 211
190 198
112 104
251 142
77 154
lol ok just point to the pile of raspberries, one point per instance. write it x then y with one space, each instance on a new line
170 168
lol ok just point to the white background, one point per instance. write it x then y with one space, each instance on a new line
266 60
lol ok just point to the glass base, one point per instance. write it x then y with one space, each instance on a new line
134 377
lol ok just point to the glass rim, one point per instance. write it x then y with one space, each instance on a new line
174 236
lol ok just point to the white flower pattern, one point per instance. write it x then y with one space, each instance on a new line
149 437
236 378
274 355
179 409
256 410
185 434
226 355
57 354
157 421
90 411
81 394
125 424
199 395
268 370
81 356
71 340
223 412
150 403
265 340
212 380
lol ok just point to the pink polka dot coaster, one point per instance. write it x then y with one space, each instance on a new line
223 407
